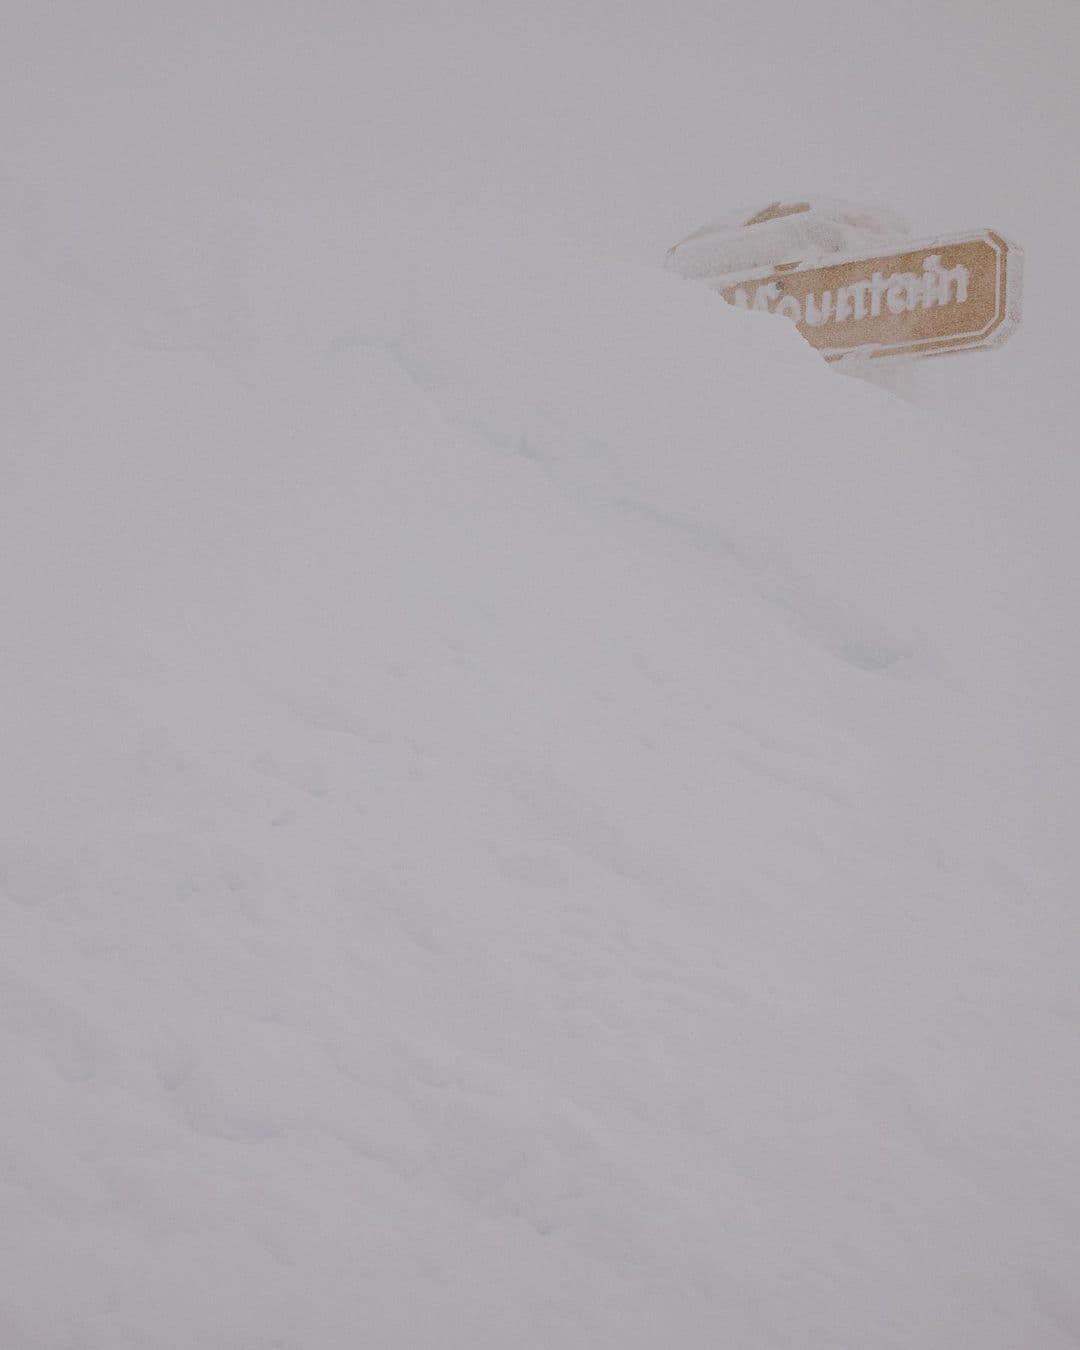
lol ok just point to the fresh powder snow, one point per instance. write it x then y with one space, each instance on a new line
533 813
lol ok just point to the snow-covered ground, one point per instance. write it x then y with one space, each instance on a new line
532 812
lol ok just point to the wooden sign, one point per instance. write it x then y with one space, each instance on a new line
947 295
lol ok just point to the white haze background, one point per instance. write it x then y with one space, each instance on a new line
532 813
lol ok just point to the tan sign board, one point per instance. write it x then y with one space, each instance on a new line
944 295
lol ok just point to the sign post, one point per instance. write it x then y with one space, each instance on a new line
952 294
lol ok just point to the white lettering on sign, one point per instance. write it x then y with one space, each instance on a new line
899 293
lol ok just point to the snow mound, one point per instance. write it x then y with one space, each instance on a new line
853 516
516 823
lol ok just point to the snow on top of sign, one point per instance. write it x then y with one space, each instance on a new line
784 232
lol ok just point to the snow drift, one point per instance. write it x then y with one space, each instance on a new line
523 821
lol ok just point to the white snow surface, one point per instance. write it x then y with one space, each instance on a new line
532 812
517 829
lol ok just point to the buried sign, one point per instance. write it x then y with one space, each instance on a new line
952 294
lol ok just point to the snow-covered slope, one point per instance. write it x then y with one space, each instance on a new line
532 813
519 827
